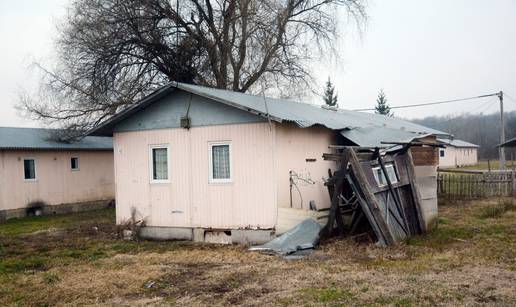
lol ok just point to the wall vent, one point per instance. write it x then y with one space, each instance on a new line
185 122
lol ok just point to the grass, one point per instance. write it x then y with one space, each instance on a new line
467 259
328 295
42 223
494 164
496 210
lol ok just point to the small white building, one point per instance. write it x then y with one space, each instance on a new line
457 153
41 174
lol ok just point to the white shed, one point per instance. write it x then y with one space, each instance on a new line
457 153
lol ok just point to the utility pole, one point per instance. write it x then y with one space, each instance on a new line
502 133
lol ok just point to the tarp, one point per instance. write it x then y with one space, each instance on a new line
303 236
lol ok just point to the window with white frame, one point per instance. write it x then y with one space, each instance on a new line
380 177
159 163
29 169
220 162
441 152
74 163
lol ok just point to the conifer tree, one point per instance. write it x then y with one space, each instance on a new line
330 97
382 107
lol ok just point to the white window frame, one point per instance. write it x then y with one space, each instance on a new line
151 163
78 164
379 168
210 164
35 169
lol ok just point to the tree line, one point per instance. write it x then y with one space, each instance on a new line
479 129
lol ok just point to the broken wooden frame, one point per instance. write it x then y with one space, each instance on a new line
374 192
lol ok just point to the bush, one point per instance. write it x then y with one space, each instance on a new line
497 210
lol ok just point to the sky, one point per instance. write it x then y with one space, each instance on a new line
416 51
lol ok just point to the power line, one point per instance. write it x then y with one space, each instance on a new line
432 103
483 107
510 97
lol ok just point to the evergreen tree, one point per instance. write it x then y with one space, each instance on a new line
381 105
330 97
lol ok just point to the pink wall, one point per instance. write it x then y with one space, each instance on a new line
294 146
55 182
190 200
458 156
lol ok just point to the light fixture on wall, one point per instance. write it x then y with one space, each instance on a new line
185 122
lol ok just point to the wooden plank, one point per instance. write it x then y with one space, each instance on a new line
335 215
369 204
424 156
416 195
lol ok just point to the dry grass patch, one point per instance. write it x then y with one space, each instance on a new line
468 259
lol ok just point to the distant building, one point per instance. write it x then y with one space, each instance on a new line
43 176
509 144
457 153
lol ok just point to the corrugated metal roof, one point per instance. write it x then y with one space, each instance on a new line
456 143
36 138
304 114
282 110
374 136
509 143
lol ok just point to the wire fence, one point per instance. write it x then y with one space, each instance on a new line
455 184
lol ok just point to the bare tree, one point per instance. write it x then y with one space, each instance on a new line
114 52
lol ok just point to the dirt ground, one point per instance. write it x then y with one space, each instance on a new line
469 259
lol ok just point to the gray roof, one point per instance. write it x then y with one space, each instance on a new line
41 139
509 143
457 143
374 136
281 110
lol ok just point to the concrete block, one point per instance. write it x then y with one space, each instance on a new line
198 234
166 233
430 210
251 236
425 171
58 209
218 237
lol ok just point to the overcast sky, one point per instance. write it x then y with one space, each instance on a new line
417 51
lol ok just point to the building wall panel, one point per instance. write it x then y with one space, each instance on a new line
55 182
190 200
294 146
167 113
458 156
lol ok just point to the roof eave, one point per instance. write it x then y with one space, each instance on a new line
106 128
231 104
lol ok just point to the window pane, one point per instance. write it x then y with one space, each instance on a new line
220 158
29 169
159 164
74 163
381 176
392 173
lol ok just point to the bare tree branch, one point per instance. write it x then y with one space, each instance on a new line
113 52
